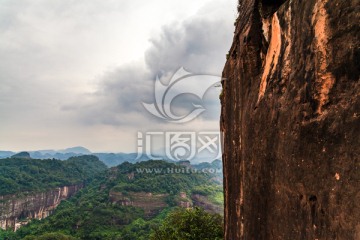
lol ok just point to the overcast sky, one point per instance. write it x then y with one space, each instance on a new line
75 73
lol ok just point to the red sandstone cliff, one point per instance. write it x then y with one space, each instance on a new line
290 118
16 210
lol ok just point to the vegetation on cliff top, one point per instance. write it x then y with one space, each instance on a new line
19 175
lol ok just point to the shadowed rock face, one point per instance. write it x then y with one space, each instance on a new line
291 121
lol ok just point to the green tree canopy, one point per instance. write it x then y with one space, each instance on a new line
190 224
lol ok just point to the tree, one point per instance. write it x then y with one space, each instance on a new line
7 235
50 236
190 224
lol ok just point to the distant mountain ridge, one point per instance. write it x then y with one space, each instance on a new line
77 150
6 154
110 159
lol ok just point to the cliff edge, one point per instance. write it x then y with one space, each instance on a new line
17 210
291 121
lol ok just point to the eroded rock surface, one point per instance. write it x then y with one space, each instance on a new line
153 203
16 210
290 118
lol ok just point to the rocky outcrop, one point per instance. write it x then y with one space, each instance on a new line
291 121
203 202
151 203
16 210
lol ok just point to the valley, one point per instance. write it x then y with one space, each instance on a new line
82 198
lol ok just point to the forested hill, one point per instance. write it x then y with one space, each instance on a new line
128 202
19 175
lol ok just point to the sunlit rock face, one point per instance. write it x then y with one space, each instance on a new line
291 121
18 209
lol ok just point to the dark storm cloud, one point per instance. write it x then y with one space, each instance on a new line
198 44
118 98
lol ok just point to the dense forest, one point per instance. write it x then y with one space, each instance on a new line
126 202
19 175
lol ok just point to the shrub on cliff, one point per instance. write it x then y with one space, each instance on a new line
190 224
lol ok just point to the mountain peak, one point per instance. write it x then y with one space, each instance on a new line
24 155
77 150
